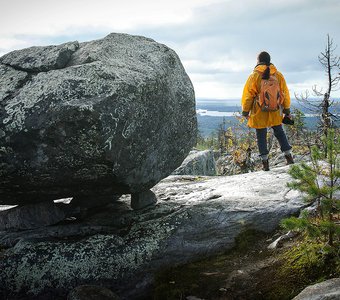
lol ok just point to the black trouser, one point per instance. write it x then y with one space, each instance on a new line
261 135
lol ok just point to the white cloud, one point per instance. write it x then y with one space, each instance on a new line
209 86
219 65
49 17
11 43
216 40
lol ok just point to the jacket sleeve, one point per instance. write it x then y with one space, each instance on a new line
249 93
286 96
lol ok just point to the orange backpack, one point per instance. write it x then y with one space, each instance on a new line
270 97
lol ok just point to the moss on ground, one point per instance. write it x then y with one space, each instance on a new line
250 271
304 264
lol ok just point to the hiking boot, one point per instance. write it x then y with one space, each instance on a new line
265 164
289 159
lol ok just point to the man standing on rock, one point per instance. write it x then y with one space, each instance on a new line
264 101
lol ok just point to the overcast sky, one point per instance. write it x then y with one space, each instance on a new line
217 41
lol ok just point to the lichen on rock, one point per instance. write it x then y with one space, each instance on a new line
122 102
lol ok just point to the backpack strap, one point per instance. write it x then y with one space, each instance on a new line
259 80
258 84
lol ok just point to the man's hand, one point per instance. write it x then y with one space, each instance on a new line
245 114
288 119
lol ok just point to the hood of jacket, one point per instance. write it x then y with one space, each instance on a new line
261 68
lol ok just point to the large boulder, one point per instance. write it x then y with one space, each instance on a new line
114 115
121 248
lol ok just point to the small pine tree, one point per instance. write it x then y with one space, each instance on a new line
319 181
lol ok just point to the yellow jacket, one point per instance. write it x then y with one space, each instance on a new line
257 117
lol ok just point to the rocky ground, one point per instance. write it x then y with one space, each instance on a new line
248 271
122 248
205 238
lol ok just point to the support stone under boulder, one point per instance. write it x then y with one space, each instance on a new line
143 199
114 115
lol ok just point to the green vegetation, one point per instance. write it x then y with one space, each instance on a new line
317 256
320 184
235 141
308 264
203 143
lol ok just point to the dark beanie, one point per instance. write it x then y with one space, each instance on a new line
264 57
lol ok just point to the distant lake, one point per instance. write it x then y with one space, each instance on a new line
211 113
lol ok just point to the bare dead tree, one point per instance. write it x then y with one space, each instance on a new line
331 64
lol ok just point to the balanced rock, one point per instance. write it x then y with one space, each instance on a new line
114 115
